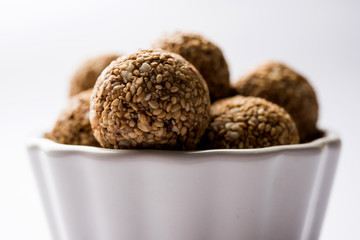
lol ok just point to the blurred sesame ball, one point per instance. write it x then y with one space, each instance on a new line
150 99
87 74
73 125
280 84
206 57
249 122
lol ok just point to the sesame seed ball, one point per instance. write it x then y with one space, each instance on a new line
206 57
150 99
87 74
73 125
249 122
280 84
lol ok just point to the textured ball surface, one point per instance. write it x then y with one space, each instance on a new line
249 122
281 85
206 57
73 125
87 74
150 99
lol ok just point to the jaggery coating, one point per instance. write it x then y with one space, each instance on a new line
150 99
73 125
87 74
249 122
280 84
205 56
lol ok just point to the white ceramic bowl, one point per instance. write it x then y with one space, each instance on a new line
101 194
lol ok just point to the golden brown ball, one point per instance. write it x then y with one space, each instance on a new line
206 57
150 99
73 125
87 74
280 84
249 122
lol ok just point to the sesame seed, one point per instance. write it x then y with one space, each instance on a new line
132 90
133 135
145 67
174 89
126 75
183 131
187 107
139 90
262 119
147 98
175 108
168 107
130 68
261 126
162 114
154 105
177 115
138 131
128 97
135 107
175 129
142 118
143 127
157 111
159 78
182 102
165 97
139 81
132 123
136 72
167 85
228 125
159 124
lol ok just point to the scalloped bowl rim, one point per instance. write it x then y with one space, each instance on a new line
50 146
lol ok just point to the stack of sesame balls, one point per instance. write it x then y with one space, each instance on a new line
178 96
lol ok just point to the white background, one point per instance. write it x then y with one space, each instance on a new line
42 43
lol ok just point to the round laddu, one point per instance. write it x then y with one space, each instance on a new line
206 57
150 99
73 125
281 85
249 122
87 74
